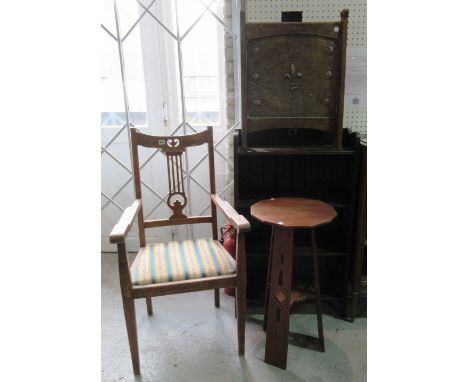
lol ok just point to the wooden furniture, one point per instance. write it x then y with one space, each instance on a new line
293 76
300 168
292 143
178 267
358 279
284 215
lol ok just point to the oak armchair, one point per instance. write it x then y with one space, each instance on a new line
178 266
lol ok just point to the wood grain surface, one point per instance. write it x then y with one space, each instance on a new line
293 212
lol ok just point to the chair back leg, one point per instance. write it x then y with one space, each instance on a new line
235 303
149 306
216 297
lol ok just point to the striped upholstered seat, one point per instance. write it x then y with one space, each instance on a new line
181 260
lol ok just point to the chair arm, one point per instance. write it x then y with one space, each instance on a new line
120 230
240 223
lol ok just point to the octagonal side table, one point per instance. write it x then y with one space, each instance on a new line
284 215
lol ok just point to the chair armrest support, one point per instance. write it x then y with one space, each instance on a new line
120 230
240 223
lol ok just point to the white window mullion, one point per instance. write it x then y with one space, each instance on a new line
187 76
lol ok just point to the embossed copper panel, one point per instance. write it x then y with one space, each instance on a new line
292 75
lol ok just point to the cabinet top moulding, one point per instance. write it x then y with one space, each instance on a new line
313 150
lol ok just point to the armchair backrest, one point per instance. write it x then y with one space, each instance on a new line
173 147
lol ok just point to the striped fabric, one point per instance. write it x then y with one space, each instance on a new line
181 260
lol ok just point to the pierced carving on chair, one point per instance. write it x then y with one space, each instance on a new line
177 200
173 142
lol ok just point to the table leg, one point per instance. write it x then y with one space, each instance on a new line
318 302
268 278
276 347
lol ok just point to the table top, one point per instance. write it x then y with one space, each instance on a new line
293 212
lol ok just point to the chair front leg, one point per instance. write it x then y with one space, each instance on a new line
130 321
241 290
128 306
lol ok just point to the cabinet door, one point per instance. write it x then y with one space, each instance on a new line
292 75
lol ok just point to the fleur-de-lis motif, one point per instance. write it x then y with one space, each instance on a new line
292 76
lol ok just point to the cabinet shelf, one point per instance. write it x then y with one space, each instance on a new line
261 250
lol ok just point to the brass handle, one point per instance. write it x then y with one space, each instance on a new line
257 102
329 49
328 74
326 101
255 76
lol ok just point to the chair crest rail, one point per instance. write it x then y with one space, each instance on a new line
173 144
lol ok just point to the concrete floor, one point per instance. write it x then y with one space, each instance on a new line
188 339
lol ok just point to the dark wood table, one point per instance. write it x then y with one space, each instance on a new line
285 214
